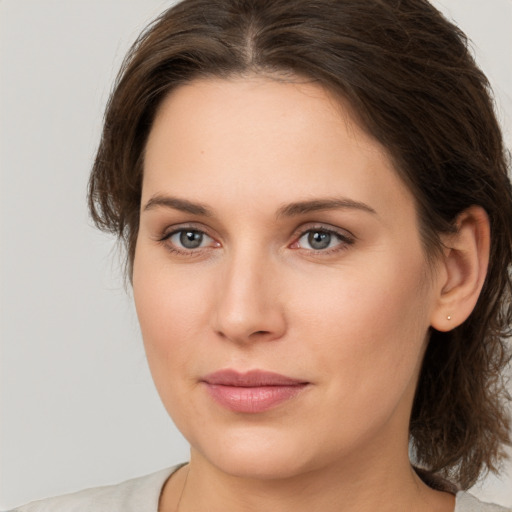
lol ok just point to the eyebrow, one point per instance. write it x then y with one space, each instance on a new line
288 210
315 205
178 204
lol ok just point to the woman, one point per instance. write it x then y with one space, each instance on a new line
316 210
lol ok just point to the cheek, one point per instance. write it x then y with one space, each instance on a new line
367 330
168 311
171 309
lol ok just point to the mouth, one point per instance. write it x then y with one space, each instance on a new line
251 392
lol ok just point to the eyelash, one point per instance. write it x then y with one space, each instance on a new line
345 240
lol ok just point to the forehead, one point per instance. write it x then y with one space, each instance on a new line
212 107
257 137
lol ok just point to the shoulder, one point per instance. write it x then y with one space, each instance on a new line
465 502
136 495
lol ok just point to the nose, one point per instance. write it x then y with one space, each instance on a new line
249 304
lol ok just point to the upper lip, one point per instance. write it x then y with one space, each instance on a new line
249 379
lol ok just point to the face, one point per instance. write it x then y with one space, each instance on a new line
279 278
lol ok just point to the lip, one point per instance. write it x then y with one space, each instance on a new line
255 391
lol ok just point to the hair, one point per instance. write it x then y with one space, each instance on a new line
408 74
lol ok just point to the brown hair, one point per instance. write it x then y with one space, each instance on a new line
408 74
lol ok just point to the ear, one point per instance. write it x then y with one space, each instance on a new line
462 269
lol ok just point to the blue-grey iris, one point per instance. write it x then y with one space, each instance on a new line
191 239
319 239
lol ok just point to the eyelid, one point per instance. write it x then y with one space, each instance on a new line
176 228
320 226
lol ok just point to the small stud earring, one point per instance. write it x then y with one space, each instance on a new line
448 317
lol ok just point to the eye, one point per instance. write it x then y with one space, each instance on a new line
322 240
189 239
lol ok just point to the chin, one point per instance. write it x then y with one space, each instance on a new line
264 455
257 464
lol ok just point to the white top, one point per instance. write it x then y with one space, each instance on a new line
142 495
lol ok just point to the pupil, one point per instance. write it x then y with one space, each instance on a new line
191 239
319 239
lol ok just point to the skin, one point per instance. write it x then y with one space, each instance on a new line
351 320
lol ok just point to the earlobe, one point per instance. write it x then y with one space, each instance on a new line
463 269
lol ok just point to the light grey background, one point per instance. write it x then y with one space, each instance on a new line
77 404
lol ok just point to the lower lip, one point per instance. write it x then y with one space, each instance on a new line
252 399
